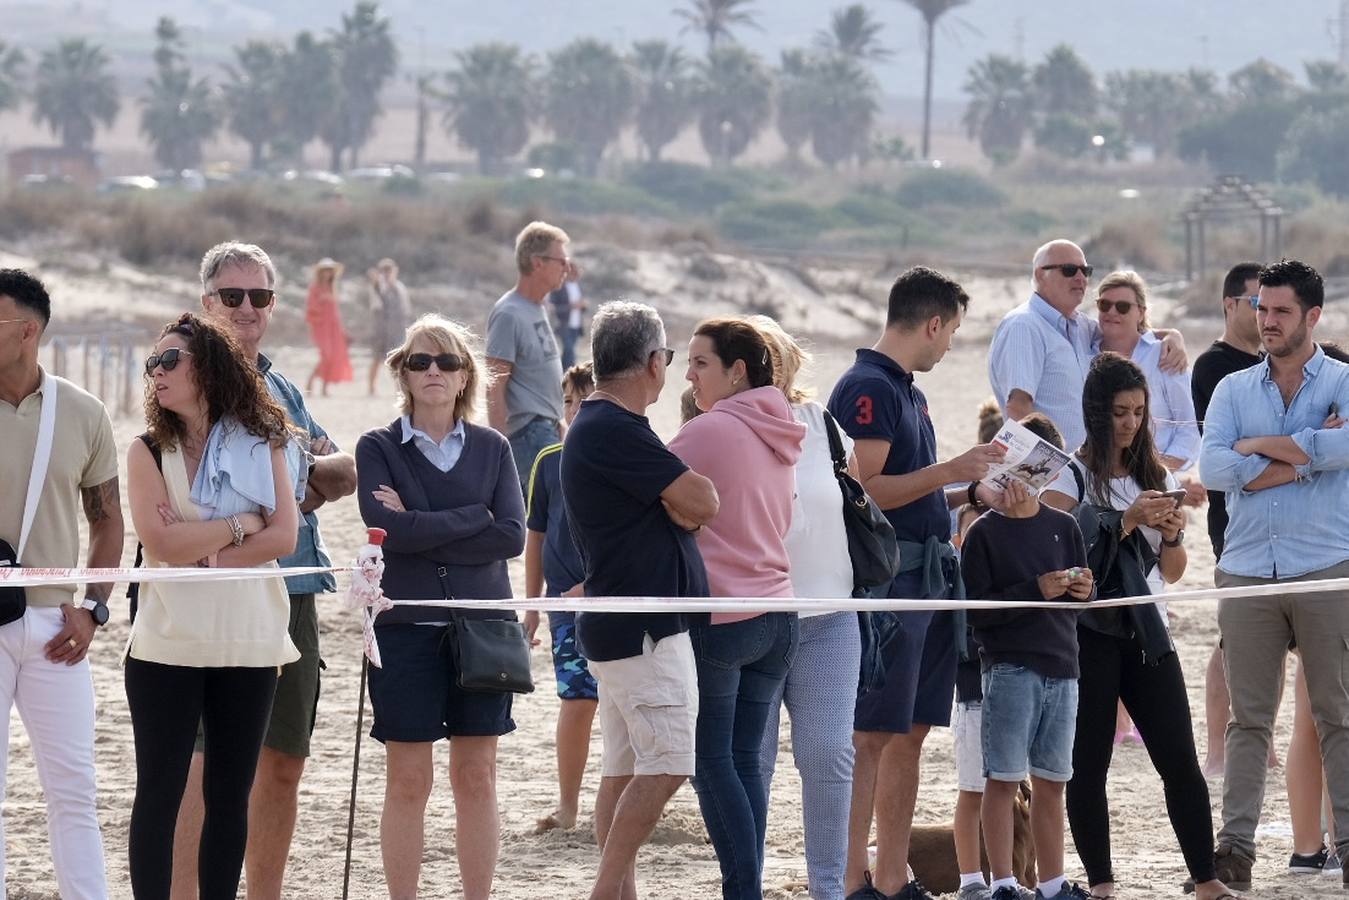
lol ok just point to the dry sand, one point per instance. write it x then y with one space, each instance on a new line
679 863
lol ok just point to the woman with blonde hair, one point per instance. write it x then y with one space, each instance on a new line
325 327
447 493
209 484
817 692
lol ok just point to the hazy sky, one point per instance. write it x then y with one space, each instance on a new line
1110 34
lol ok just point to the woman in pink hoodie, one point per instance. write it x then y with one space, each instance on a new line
747 443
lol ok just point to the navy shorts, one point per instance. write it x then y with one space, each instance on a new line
415 696
919 655
574 681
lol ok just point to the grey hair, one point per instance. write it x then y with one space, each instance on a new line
235 253
1042 254
534 240
623 335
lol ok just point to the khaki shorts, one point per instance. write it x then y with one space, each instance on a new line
649 709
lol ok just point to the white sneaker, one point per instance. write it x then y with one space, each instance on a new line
974 892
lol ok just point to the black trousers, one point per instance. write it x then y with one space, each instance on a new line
1113 670
167 702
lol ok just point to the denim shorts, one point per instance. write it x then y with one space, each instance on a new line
1029 722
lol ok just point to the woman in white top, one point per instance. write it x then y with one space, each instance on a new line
1122 310
209 485
821 686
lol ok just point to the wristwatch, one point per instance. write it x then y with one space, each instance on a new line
1180 539
97 609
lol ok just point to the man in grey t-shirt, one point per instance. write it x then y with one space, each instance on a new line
524 397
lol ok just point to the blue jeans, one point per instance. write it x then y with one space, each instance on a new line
1028 724
819 701
741 667
566 342
526 442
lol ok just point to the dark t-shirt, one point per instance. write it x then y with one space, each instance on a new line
1001 558
562 566
614 469
1212 366
877 400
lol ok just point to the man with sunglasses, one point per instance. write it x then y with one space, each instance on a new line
238 290
524 394
1042 349
43 645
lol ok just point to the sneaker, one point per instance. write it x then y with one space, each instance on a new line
867 891
974 892
1333 863
1069 891
1007 892
1232 870
914 890
1309 863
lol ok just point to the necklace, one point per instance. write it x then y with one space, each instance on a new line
597 393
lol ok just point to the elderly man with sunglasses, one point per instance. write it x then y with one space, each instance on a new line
238 290
1042 349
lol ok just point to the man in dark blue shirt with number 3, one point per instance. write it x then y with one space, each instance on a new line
877 403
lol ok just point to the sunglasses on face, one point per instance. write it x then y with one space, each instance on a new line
667 353
260 298
168 360
1121 306
1070 270
445 362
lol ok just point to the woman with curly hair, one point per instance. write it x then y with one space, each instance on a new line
210 485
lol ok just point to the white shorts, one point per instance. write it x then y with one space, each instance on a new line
649 709
967 725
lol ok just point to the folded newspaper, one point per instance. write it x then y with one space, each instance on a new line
1030 460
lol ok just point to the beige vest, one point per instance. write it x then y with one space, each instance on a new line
209 624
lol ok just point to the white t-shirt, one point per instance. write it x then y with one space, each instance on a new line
1123 492
817 542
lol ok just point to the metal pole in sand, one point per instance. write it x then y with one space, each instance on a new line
355 772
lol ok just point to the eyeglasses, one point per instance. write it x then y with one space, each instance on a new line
669 355
168 360
1122 307
557 259
1070 270
260 298
1254 300
445 362
9 321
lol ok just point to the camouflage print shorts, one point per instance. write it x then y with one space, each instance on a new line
574 681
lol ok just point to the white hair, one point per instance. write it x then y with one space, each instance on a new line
1042 254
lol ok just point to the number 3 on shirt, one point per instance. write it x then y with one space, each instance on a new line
864 413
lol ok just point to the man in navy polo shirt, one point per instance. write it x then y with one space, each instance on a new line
877 403
633 508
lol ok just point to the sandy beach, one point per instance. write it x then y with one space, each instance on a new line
679 863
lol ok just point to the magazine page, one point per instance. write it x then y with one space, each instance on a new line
1032 461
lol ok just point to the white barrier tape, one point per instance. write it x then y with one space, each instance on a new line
35 577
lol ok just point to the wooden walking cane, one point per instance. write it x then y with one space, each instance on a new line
355 773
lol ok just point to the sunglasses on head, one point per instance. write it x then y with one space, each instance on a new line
1121 306
260 298
445 362
168 360
1070 270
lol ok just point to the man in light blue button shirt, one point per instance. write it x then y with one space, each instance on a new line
1273 443
1042 349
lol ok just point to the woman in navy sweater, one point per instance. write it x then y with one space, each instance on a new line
447 493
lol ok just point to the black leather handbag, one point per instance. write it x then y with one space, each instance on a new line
871 537
13 600
491 656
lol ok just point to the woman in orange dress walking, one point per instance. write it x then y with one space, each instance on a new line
325 327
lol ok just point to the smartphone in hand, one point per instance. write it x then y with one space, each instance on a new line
1178 496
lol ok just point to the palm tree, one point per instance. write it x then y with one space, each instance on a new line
734 99
12 61
1000 106
250 96
843 108
1323 76
179 114
795 101
490 100
366 58
424 85
74 92
855 33
931 11
305 94
716 18
1064 85
588 98
1153 106
1262 80
665 94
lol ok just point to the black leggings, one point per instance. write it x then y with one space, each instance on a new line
167 702
1113 670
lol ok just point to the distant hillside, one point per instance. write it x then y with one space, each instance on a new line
1110 34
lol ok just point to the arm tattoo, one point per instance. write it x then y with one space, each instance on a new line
100 500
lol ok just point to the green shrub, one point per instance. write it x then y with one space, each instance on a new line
773 221
948 187
689 188
872 209
580 196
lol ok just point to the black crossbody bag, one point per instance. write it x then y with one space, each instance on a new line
871 538
14 600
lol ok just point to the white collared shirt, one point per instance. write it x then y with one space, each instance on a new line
442 454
